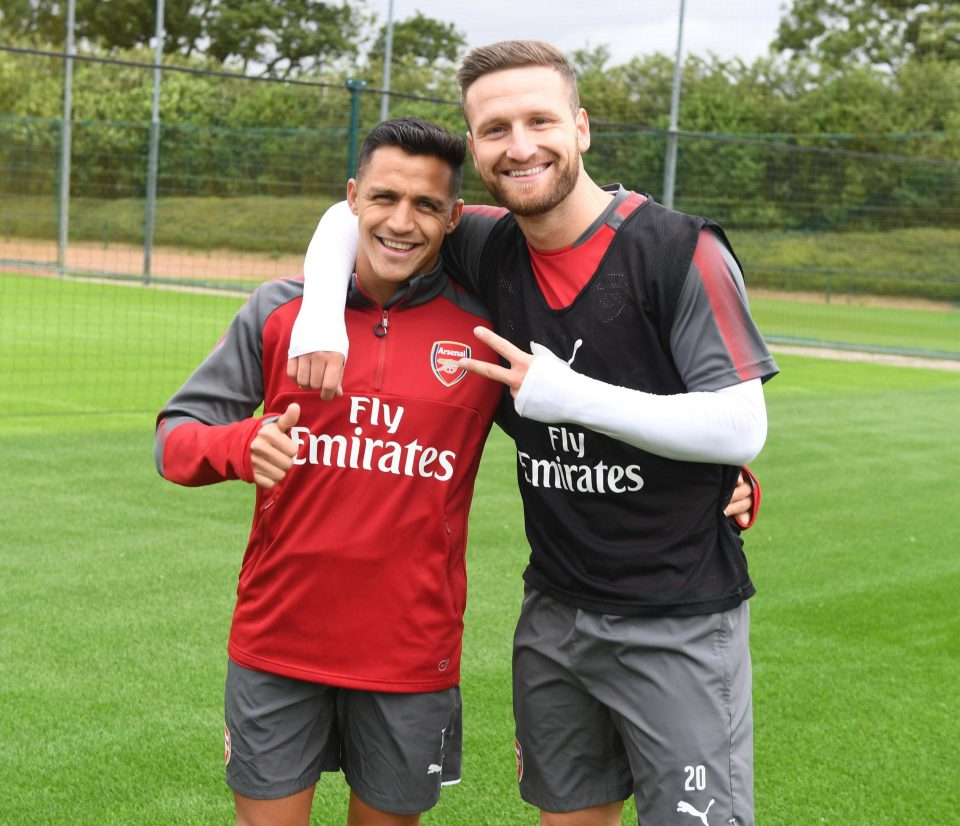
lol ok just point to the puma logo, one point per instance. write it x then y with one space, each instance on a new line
686 808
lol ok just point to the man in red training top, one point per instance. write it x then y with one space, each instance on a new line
346 637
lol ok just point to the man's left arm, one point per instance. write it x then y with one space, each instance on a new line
720 355
726 426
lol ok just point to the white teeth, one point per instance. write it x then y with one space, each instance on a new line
397 245
520 173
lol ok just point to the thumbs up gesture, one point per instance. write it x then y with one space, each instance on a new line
272 451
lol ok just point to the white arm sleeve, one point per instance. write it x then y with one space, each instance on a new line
327 269
727 426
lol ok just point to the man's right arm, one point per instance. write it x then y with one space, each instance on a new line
207 432
318 343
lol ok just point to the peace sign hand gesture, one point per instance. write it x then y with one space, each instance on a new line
511 376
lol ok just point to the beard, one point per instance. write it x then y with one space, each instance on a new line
527 205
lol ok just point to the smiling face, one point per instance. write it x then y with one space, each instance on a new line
526 138
406 208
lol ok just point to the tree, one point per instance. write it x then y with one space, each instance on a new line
286 37
421 41
423 62
277 37
117 24
884 33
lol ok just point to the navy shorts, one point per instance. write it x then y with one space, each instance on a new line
395 750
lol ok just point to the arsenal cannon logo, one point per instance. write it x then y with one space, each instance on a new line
444 358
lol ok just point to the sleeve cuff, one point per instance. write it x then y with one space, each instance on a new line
757 496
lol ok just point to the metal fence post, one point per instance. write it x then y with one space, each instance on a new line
66 141
354 86
387 60
670 162
152 162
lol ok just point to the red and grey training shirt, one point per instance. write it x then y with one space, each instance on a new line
354 572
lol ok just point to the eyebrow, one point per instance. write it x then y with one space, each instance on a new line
385 190
548 114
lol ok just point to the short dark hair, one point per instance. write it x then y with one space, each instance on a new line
416 136
516 54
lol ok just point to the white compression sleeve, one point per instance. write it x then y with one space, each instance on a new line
327 269
727 426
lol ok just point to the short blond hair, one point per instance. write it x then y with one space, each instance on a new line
516 54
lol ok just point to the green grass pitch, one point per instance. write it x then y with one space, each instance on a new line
116 590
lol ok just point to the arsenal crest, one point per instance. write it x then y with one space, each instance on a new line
444 357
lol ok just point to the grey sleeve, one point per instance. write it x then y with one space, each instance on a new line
714 340
227 387
228 384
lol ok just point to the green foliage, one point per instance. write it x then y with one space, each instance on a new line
422 72
892 262
779 147
774 144
282 37
886 33
636 92
421 40
286 37
291 140
30 86
117 24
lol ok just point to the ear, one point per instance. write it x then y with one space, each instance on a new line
353 193
455 215
583 130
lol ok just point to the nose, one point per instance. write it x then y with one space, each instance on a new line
401 218
521 147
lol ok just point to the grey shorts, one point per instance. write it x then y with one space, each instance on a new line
395 750
659 707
